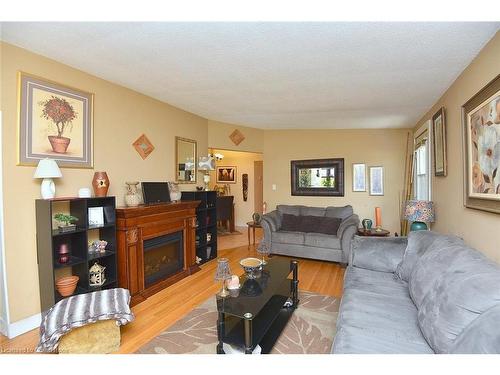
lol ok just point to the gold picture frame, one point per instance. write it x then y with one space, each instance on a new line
55 121
480 118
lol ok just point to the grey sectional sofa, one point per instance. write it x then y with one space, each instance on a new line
332 247
429 293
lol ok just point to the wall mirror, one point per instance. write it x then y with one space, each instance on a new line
319 177
185 160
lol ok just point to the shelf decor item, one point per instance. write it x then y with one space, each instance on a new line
96 275
63 253
223 274
84 193
55 122
66 285
132 197
47 169
96 216
263 249
100 183
378 219
251 266
65 222
174 191
419 213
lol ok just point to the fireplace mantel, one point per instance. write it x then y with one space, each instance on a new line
136 224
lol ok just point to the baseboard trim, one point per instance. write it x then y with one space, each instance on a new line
3 327
23 325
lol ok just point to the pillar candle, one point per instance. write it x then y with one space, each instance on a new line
378 217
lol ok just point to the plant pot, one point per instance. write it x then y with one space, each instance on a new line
66 285
59 144
67 228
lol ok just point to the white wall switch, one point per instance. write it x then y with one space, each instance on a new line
274 187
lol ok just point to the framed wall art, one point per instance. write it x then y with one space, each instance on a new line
55 122
481 129
358 177
226 175
377 180
439 141
319 177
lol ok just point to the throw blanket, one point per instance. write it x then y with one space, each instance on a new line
77 311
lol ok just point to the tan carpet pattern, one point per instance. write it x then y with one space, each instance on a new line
310 330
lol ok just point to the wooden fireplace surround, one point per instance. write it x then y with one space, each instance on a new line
137 224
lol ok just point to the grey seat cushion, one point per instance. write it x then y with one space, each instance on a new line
290 210
378 254
322 240
296 238
467 287
377 316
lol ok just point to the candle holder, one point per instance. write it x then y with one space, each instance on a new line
263 249
223 273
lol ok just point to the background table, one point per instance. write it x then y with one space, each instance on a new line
373 233
253 225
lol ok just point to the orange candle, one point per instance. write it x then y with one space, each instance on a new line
378 217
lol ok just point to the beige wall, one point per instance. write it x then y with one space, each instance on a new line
385 147
244 163
478 228
120 116
219 132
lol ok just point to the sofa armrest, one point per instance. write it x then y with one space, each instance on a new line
378 253
271 222
345 233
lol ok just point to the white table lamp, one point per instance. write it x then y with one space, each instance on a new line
47 169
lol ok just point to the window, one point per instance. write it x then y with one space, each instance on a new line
422 165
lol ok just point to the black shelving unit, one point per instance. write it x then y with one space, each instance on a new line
206 221
50 238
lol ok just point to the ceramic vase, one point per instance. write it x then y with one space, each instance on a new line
132 198
100 183
367 224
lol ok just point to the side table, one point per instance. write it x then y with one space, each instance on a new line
373 232
253 225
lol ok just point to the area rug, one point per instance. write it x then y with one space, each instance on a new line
310 330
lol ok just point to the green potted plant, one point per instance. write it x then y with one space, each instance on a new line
65 222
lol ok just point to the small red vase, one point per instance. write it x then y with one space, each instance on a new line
100 183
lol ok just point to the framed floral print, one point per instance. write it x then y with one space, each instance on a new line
55 122
439 142
226 175
481 131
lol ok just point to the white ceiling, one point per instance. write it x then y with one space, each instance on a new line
271 75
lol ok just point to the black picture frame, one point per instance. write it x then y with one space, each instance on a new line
336 163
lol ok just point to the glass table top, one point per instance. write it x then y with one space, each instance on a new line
271 286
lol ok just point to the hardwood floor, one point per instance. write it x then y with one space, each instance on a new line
161 310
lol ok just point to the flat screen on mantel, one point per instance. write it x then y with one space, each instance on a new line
155 192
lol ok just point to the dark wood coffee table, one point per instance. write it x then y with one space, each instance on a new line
373 232
258 315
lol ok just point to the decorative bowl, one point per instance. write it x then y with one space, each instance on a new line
251 266
66 285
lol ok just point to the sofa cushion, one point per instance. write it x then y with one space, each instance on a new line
290 223
466 288
310 224
377 316
377 253
322 240
419 242
482 336
441 257
340 212
290 210
329 225
296 238
313 211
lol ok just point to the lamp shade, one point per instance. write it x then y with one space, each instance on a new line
47 168
416 210
223 271
206 163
